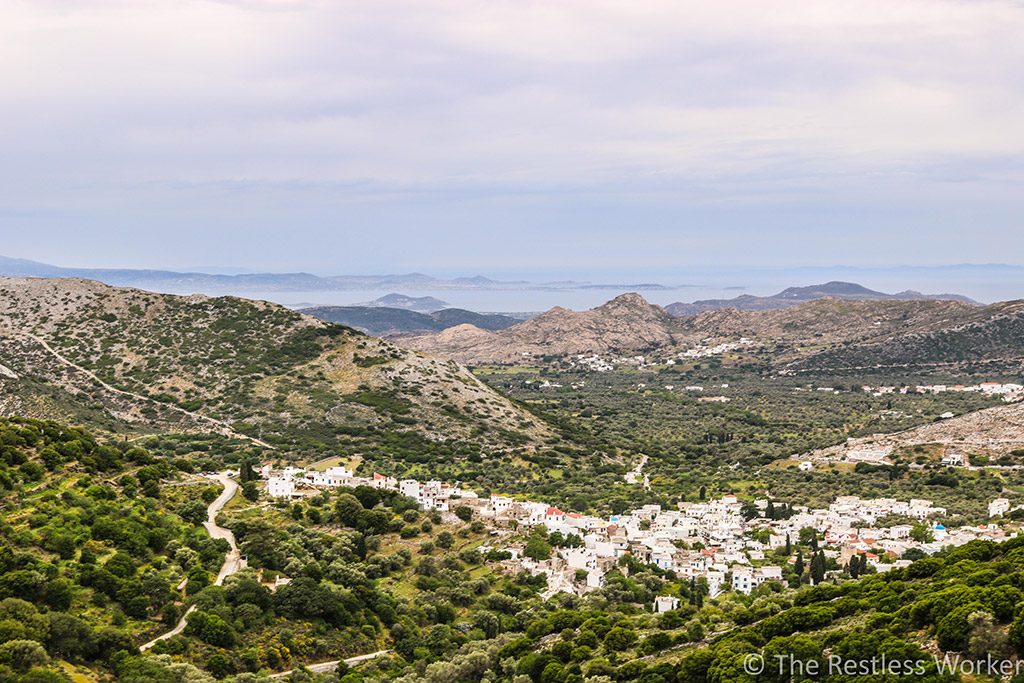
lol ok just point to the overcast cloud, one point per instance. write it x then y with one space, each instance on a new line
483 136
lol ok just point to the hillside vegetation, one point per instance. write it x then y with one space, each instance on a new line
101 549
816 336
128 359
996 338
92 546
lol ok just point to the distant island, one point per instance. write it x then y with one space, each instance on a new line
187 282
797 295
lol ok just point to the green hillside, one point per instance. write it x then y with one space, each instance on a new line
993 343
129 360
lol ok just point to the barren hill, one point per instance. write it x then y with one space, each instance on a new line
626 324
126 358
830 320
993 432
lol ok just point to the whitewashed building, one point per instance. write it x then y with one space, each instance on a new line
280 487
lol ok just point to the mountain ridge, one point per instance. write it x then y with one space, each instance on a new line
815 335
182 281
793 295
626 324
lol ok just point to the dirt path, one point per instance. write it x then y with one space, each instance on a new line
222 427
634 475
324 667
233 561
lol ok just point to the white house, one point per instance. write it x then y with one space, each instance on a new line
553 515
380 481
410 488
953 460
293 472
746 579
665 603
280 487
332 476
998 507
500 505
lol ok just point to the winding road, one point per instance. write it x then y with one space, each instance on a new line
324 667
233 561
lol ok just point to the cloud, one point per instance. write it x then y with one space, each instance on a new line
332 101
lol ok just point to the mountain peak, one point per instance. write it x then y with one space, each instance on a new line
626 324
631 299
833 288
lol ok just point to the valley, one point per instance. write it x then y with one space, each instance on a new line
613 494
512 342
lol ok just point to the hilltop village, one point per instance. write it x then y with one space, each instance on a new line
723 544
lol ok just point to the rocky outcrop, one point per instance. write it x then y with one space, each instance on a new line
626 324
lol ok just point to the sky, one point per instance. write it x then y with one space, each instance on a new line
511 136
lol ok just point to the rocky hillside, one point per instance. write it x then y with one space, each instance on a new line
993 433
129 359
826 321
992 336
793 296
834 335
822 335
626 324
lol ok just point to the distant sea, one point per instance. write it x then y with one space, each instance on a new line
980 282
487 301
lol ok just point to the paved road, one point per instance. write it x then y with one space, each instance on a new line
324 667
232 561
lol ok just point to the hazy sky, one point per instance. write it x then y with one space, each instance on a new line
491 135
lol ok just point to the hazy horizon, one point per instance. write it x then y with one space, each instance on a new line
449 137
985 283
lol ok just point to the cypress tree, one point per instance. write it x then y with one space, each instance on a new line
818 567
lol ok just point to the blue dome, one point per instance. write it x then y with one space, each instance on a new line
940 527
